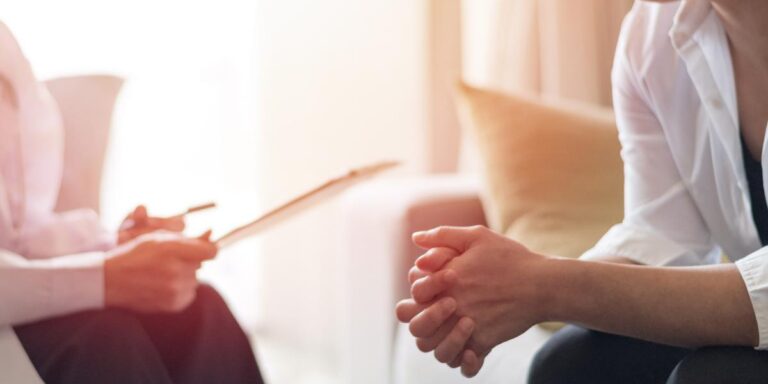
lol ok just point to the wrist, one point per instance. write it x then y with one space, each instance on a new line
111 296
561 289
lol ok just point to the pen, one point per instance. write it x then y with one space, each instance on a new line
196 208
130 223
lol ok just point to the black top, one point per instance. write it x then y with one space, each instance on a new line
754 170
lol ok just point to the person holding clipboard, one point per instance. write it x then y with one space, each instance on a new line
87 305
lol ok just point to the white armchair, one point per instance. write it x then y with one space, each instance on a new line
379 219
86 104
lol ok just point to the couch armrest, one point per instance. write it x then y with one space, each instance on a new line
376 254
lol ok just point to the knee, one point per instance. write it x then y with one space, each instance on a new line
209 299
210 307
717 365
208 294
566 355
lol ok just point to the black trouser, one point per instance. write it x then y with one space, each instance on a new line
202 344
576 355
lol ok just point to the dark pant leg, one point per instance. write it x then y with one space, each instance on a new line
722 365
204 343
106 346
576 355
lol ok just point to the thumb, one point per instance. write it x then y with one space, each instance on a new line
457 238
193 249
206 236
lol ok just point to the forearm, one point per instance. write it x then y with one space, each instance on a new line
692 306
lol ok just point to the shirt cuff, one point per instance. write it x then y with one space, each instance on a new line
32 290
641 246
76 283
754 271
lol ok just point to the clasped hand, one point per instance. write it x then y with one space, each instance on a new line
472 290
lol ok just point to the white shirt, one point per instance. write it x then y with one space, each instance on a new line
50 263
686 193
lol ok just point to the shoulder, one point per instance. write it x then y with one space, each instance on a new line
644 44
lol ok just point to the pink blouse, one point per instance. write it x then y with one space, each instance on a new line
50 263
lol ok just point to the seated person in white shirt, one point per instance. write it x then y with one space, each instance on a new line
90 306
651 302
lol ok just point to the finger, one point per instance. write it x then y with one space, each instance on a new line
137 218
188 269
407 309
425 289
414 274
206 236
427 322
192 249
135 232
471 363
435 259
457 361
174 224
194 265
458 238
428 344
454 343
140 213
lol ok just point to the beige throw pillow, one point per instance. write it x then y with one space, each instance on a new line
552 171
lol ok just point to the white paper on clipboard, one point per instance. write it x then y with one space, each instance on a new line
306 200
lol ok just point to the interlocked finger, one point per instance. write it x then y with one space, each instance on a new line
426 288
454 343
407 309
471 363
428 344
415 274
435 259
428 321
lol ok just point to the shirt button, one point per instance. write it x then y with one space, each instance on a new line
716 103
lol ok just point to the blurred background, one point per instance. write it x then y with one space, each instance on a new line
248 102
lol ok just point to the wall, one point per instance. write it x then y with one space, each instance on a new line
341 83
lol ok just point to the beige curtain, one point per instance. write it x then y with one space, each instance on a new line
561 48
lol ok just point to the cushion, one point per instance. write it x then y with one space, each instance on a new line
552 171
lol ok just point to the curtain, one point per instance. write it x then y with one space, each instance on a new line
553 48
558 48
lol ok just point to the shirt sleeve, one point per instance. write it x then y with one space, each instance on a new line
37 289
754 271
71 232
662 224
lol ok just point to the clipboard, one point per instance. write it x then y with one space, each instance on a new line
321 193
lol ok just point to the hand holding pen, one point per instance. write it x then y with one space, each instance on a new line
139 222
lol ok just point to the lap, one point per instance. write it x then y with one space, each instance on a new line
204 342
90 347
578 355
